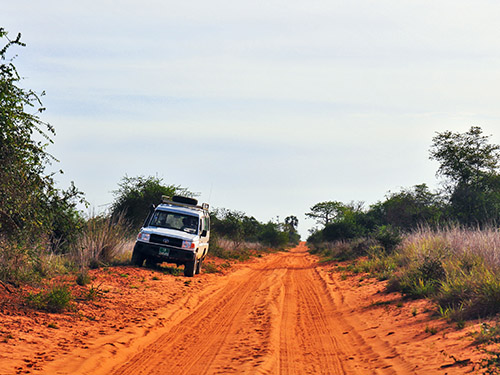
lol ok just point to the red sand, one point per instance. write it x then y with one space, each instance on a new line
279 314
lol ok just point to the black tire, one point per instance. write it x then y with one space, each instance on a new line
151 262
137 258
190 268
198 267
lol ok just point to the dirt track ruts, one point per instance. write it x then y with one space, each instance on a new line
278 316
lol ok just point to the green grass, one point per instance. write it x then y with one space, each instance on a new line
57 298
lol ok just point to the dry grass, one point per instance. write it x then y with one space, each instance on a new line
104 239
453 242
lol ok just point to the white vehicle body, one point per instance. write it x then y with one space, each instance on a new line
175 232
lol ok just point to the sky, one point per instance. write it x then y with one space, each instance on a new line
266 107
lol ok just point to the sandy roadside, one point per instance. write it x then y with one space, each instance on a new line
136 308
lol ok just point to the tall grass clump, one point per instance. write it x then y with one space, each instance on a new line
27 262
102 240
378 262
457 267
17 261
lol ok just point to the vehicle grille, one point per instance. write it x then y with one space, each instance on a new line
163 240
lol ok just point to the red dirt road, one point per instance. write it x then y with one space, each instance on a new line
280 314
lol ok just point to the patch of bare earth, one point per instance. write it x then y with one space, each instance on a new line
279 314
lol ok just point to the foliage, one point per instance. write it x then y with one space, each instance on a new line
290 226
22 183
331 211
409 208
465 158
458 268
241 229
17 262
387 236
470 164
135 195
342 250
271 235
67 221
103 238
56 299
471 197
35 216
30 205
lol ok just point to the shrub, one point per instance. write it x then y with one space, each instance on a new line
103 238
388 237
57 299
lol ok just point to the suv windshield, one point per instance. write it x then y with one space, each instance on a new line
174 220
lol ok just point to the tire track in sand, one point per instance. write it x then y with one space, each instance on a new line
278 316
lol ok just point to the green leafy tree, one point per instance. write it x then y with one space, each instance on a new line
465 157
326 212
290 226
31 208
135 195
341 221
409 208
291 223
470 164
272 236
23 183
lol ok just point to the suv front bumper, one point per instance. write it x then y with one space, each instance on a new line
164 253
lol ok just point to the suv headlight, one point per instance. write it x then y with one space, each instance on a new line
188 245
143 236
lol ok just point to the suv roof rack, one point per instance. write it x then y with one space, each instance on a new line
179 201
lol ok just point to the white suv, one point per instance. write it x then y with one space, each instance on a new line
176 231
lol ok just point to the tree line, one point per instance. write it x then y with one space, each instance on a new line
37 217
469 196
136 194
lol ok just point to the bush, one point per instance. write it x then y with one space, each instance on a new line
57 299
136 194
103 238
388 237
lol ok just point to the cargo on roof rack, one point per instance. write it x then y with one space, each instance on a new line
178 200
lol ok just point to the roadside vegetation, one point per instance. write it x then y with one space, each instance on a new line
441 245
44 231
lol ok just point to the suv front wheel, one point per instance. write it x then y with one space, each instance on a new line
137 258
190 268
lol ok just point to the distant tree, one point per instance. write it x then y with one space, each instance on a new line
290 226
341 221
410 208
291 223
135 195
470 164
326 212
465 157
272 236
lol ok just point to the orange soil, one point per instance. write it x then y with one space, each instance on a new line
279 314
